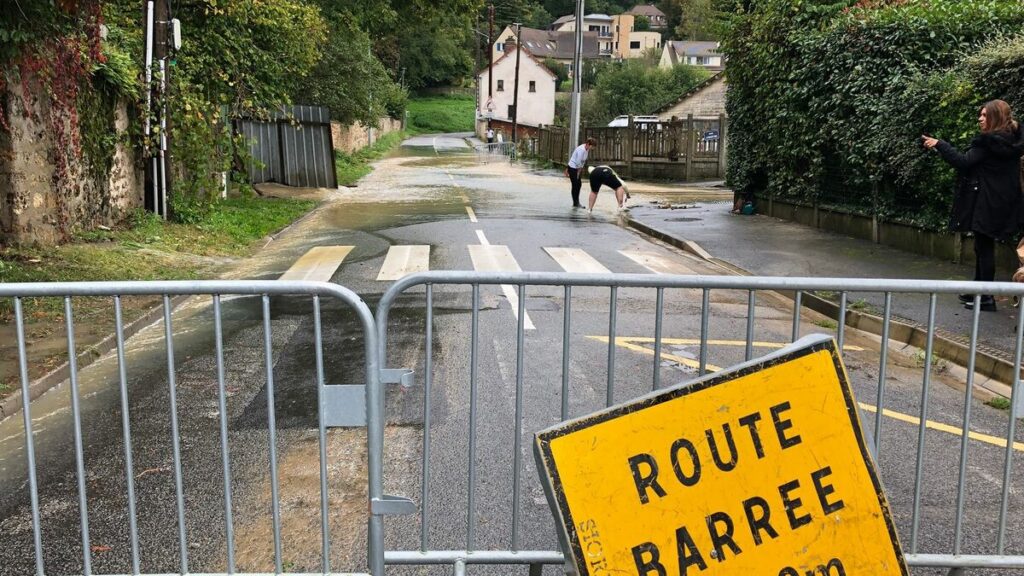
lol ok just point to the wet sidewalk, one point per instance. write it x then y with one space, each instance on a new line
766 246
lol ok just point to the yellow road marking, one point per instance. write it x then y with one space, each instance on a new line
695 341
472 214
656 263
986 438
629 344
403 260
317 264
575 260
623 343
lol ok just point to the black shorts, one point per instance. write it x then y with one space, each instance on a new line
603 177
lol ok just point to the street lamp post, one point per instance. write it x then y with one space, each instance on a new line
577 80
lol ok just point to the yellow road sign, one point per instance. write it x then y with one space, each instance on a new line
762 469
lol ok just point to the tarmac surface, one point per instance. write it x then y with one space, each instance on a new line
436 192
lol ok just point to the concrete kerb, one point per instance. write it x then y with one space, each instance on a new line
13 404
946 348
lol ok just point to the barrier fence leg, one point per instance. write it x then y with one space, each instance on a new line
536 569
956 572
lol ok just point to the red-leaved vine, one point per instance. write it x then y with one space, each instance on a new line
55 69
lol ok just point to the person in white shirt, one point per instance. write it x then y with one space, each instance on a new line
490 135
577 162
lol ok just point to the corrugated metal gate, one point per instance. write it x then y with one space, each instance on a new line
292 147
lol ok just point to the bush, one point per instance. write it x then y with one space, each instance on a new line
827 103
634 87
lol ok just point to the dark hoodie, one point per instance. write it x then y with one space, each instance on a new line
989 199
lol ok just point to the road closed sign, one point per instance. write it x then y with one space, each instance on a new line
760 470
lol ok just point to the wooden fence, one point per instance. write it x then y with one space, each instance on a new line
679 149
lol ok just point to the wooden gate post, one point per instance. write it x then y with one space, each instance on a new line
630 139
689 146
722 133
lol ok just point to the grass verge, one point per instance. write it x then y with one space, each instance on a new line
440 114
145 248
352 167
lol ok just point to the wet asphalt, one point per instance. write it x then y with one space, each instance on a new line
419 197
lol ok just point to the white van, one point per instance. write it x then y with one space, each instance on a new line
623 121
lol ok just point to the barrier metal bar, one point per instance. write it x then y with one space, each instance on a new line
473 361
922 425
748 350
275 499
76 413
428 373
796 315
222 404
659 311
126 430
325 525
705 306
566 324
882 368
517 461
179 491
841 327
613 300
30 449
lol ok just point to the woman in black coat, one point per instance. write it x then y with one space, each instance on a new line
989 201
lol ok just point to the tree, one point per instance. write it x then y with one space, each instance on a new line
695 19
641 23
633 87
558 69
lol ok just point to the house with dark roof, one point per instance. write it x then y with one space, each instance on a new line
547 44
654 16
694 53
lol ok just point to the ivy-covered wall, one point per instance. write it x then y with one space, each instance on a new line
49 191
828 98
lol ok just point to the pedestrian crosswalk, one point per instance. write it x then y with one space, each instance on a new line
322 262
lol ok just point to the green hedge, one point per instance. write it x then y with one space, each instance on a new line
827 101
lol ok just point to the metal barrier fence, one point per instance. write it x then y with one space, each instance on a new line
329 399
734 300
495 151
422 548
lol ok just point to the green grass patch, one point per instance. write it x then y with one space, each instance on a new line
147 248
827 324
999 402
438 114
352 167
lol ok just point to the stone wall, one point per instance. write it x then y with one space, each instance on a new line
707 102
354 137
37 206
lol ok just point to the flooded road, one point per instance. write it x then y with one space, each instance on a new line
471 213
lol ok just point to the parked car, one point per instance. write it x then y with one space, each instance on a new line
623 121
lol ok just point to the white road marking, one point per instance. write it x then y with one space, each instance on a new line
404 260
576 260
318 264
489 258
472 214
656 263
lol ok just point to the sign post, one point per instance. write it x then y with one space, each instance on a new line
762 469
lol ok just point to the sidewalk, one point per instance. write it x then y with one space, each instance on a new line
766 246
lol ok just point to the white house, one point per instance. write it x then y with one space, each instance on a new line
694 53
602 24
536 92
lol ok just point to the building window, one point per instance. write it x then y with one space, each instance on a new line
511 111
499 46
533 86
634 45
501 85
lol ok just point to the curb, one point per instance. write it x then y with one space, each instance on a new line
13 404
902 332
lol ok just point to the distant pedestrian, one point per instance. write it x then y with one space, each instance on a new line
574 171
988 200
605 176
490 135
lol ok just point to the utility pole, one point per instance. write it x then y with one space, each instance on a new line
490 53
577 80
515 86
